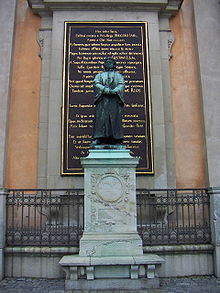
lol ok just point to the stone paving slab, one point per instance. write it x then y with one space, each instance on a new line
206 284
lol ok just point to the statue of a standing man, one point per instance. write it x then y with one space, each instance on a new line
109 88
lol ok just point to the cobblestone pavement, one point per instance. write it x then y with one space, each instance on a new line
207 284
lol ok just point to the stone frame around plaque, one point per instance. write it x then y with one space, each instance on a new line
51 38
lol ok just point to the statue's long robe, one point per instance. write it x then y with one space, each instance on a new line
108 117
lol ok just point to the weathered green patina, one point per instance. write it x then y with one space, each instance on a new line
109 88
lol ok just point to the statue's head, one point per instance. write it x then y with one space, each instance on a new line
109 63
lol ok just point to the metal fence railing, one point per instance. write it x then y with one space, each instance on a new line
177 216
54 217
44 217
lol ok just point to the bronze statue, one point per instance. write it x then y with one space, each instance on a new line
109 88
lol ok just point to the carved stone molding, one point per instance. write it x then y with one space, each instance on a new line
171 41
164 7
40 41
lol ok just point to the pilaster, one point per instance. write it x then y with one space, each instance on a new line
2 229
215 226
207 15
7 22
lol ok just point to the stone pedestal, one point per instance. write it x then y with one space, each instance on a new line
110 248
110 204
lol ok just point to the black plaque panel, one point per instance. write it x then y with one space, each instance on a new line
86 44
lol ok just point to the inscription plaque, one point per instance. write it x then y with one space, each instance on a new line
86 44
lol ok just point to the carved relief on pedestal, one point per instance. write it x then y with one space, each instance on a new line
110 200
109 187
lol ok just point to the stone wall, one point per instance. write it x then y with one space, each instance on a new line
182 260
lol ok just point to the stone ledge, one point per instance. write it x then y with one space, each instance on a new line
111 284
40 251
179 249
168 8
159 249
118 158
69 260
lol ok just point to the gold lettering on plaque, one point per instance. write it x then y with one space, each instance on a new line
87 44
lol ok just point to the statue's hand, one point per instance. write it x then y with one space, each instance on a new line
106 90
112 92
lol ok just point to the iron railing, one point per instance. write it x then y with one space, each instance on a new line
54 217
44 217
173 216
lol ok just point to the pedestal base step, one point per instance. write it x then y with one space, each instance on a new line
119 284
109 273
